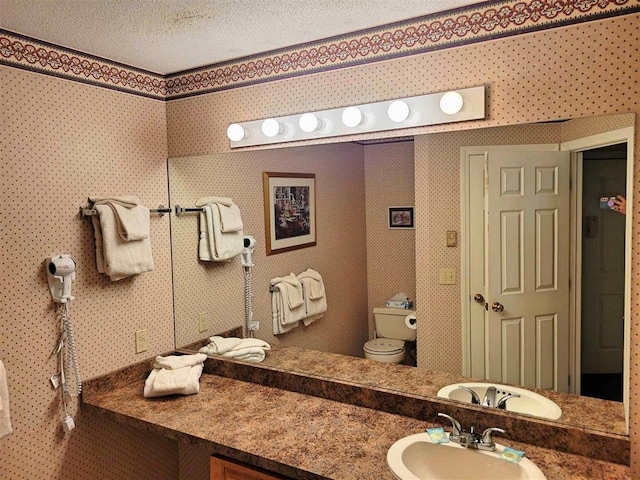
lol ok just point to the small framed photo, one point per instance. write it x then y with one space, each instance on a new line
289 211
401 217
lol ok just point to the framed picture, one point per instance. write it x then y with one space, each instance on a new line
289 211
401 217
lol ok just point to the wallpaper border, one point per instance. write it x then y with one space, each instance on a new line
466 25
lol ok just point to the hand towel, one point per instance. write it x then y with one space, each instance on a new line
175 362
293 288
123 245
230 218
182 381
277 308
132 218
216 243
114 256
5 416
133 223
314 295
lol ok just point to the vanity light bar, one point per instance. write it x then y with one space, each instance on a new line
431 109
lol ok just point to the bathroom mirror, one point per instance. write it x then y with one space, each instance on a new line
355 183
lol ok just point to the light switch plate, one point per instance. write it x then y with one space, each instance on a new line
452 238
447 276
142 341
203 322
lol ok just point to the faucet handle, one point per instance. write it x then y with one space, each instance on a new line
455 424
487 436
475 399
502 403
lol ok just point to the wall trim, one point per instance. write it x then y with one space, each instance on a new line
481 22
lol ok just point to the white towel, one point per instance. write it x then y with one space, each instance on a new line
220 345
116 256
174 362
314 295
218 241
247 349
5 416
277 308
293 287
230 218
182 381
133 223
175 374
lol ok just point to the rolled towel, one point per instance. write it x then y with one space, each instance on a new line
175 362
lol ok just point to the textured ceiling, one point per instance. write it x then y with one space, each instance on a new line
168 36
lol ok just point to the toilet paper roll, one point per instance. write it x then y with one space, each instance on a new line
411 322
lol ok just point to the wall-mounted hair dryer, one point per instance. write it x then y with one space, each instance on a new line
246 255
61 271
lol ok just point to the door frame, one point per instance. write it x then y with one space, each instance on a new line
576 147
465 275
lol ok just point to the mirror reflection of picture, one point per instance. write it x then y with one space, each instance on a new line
289 210
401 217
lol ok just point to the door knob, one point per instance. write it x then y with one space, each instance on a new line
497 307
478 298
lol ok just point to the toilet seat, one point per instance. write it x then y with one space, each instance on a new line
384 346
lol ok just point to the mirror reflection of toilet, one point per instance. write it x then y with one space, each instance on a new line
392 331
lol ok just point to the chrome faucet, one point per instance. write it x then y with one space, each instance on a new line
490 397
470 439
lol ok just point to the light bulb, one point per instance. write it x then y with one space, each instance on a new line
236 132
271 127
308 123
451 103
352 116
398 111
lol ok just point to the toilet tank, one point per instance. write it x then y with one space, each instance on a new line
390 323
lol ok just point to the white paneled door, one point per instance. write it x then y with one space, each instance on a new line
526 272
528 268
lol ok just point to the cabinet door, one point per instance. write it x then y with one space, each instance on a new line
222 469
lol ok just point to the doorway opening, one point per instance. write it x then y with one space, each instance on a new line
602 275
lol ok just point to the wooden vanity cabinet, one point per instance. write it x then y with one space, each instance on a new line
225 469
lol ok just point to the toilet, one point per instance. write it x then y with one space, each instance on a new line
391 335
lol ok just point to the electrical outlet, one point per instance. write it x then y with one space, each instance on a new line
142 341
447 276
203 322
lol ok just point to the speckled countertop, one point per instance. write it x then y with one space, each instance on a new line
297 435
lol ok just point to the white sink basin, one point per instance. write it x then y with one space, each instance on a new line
529 402
416 458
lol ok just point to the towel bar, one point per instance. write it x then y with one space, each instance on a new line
181 210
161 210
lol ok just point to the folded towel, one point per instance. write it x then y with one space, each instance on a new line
182 381
314 295
293 289
125 201
133 223
277 310
201 202
5 417
174 362
247 349
215 243
116 256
